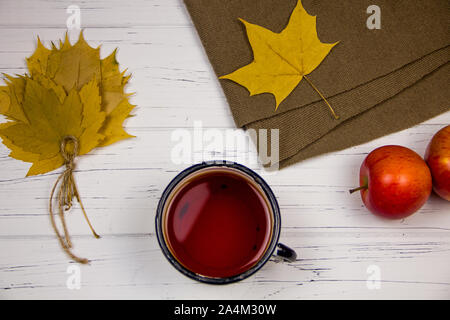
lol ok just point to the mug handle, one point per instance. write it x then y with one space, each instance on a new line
285 254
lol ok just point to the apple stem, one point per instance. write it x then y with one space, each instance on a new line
364 187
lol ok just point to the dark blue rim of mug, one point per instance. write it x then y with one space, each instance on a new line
275 229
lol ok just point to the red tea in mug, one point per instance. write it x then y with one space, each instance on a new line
218 222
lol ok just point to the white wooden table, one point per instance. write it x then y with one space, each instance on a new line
338 241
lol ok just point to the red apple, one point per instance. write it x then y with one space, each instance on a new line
395 182
438 159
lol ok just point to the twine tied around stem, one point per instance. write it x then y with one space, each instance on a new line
66 192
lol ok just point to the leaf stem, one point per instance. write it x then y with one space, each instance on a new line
323 97
77 195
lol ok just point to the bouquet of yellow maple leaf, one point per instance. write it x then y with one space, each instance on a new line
69 103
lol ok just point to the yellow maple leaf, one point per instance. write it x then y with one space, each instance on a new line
38 62
113 82
282 60
73 66
114 100
112 128
69 65
50 121
11 97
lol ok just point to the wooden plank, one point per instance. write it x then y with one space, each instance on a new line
331 263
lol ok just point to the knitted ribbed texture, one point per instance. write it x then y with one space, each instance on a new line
378 81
